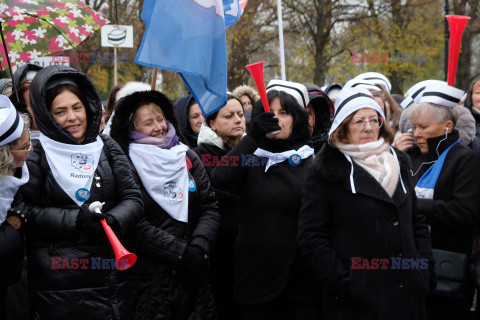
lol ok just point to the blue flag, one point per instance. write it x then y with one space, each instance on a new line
188 36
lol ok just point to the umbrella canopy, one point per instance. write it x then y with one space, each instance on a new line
42 27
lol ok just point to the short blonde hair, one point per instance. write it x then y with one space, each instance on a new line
433 112
7 162
340 135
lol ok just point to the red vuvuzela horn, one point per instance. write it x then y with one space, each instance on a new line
457 24
124 259
256 70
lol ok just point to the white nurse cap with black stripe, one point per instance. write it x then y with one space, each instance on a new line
11 124
369 84
350 100
442 94
376 77
297 90
415 93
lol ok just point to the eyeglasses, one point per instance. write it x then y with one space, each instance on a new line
29 145
361 123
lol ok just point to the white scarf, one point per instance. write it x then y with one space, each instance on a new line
8 188
208 136
164 175
376 158
275 158
73 166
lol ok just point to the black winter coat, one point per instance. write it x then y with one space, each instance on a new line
222 257
160 288
455 207
67 289
267 263
12 249
336 225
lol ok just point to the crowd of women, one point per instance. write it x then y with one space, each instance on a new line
342 202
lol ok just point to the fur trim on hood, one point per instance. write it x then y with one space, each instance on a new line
246 90
465 125
126 108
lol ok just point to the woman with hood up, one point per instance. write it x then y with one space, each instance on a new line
190 119
69 256
271 281
320 111
220 133
175 238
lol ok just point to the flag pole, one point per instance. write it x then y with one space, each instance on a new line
154 78
115 66
280 33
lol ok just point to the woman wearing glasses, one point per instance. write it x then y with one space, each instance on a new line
14 148
70 269
359 227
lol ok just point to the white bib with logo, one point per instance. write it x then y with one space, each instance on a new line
164 175
73 166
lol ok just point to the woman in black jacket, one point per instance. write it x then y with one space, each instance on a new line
190 119
359 218
266 171
181 214
220 133
70 260
447 184
15 145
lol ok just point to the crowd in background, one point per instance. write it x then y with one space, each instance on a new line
342 202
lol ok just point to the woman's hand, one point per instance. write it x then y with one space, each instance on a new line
404 141
14 222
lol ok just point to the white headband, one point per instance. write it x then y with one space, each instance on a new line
11 124
296 90
350 100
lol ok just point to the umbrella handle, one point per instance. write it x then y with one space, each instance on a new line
8 61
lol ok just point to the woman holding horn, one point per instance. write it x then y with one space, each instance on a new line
70 260
175 238
271 281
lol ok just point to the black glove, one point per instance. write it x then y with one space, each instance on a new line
262 124
90 222
194 262
112 222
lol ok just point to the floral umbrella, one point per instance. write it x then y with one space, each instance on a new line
42 27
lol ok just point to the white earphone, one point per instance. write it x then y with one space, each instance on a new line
446 130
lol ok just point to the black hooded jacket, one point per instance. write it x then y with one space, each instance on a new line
19 76
476 114
181 111
160 240
60 286
322 105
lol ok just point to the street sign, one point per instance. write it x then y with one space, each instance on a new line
117 35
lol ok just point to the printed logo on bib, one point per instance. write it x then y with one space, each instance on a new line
82 194
83 162
172 192
295 160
